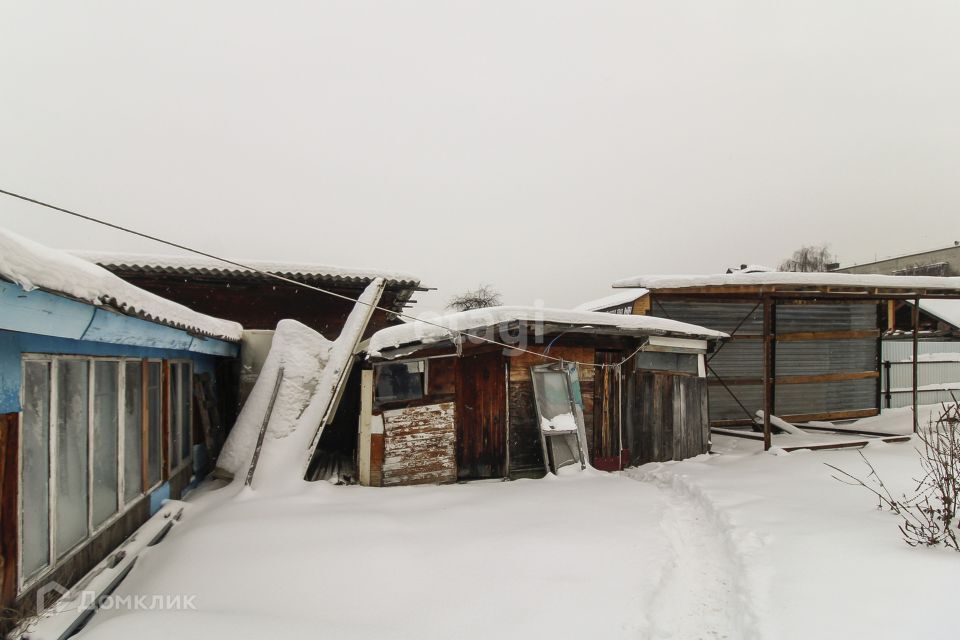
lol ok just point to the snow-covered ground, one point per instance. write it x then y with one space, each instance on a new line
741 545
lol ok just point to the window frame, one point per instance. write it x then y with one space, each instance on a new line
171 367
425 387
124 506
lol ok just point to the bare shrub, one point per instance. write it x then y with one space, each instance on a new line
929 515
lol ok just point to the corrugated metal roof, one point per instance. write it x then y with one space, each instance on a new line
31 265
149 264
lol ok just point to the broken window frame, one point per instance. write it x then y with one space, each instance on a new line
568 372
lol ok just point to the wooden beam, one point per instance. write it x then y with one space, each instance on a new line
802 417
828 335
768 369
828 377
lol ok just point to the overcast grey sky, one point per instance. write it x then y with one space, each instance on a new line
546 148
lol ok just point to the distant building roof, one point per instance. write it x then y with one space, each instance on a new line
796 281
34 266
612 301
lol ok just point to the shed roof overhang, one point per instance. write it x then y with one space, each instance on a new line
508 336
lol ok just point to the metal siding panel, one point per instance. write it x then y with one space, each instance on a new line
792 318
814 357
738 359
724 407
713 315
822 397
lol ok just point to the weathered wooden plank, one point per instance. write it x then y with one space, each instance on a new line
678 445
376 459
9 482
419 445
526 454
521 362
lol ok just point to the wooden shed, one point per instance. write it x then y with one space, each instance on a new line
803 346
469 396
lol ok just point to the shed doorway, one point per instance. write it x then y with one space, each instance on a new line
481 436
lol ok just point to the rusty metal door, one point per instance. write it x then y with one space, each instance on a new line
481 417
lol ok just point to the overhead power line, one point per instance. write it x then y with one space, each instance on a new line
169 243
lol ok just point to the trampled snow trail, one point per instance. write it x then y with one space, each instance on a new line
700 595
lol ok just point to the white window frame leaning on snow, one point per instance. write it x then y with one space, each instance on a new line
123 505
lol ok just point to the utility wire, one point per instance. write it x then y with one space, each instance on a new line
457 332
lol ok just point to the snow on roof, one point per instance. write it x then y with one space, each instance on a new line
946 310
751 268
34 266
781 278
199 264
441 328
614 300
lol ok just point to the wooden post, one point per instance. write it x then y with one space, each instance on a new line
768 369
916 349
366 412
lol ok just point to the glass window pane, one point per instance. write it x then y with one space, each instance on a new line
105 428
186 410
71 462
553 395
154 431
35 467
175 431
665 361
400 381
133 431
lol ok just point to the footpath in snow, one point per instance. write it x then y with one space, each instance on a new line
741 544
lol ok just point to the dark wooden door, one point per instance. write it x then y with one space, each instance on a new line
481 417
605 435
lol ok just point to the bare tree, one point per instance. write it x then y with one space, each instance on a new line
482 296
810 259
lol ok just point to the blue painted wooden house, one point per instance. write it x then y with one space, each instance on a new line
103 391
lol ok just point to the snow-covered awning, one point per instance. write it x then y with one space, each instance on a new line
31 265
790 280
476 320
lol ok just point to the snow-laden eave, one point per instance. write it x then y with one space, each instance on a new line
790 280
478 322
33 266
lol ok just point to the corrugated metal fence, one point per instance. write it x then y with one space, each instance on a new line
938 372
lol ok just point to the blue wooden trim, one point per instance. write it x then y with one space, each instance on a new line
14 344
42 313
